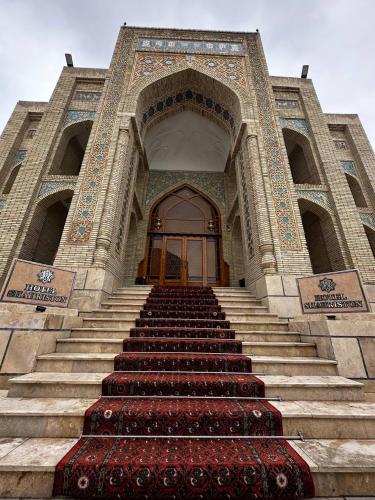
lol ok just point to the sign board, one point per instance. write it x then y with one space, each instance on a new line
33 283
339 292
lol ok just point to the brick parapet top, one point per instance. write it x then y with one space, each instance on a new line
78 72
341 119
186 31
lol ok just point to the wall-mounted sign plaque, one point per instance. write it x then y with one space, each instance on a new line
32 283
339 292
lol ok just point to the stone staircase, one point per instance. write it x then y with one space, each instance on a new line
41 417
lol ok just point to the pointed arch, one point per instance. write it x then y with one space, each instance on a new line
181 187
301 157
356 191
11 179
190 88
370 233
43 236
321 238
71 149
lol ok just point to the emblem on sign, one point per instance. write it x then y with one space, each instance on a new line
45 276
327 285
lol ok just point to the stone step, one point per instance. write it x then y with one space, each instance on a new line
280 349
273 336
251 316
260 326
112 323
93 362
126 305
88 385
249 324
130 314
243 309
246 335
60 417
339 466
101 345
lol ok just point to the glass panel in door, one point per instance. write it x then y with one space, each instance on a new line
213 260
173 259
194 260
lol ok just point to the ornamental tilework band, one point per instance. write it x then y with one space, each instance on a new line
322 198
298 124
189 46
246 206
286 222
210 182
82 220
125 204
74 116
368 219
48 187
348 167
21 155
82 95
231 69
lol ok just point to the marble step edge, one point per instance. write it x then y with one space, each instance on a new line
339 466
88 356
88 385
250 332
120 341
65 407
234 322
269 380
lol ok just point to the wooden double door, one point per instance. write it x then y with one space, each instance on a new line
184 260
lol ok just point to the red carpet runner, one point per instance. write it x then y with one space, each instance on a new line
175 414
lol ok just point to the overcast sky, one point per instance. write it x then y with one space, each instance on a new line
335 37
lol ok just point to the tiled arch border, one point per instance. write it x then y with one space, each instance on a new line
187 99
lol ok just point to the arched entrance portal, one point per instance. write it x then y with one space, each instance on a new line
184 241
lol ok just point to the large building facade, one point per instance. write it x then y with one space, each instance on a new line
186 163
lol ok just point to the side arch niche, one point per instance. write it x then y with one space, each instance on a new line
321 238
71 149
43 236
301 158
370 233
11 179
356 191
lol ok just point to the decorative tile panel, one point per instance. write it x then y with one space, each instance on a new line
368 219
286 222
96 165
75 116
232 69
322 198
209 182
190 46
30 133
21 155
298 124
49 187
348 167
287 104
125 204
188 97
246 206
83 95
340 144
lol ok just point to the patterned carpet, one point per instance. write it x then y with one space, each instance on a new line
174 421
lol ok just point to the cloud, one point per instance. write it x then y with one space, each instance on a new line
334 36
